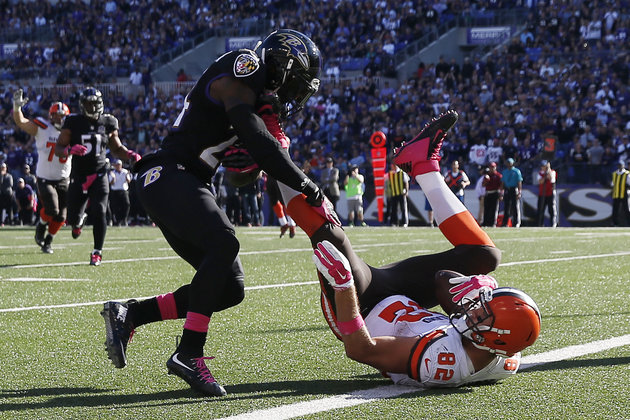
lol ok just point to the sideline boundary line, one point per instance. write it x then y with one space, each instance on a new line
355 398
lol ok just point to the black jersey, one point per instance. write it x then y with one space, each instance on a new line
94 135
203 130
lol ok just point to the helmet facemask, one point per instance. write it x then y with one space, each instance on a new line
293 66
57 114
91 103
472 317
503 321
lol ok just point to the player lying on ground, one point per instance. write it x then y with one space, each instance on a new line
381 313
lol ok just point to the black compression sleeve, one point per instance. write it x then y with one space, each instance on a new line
264 148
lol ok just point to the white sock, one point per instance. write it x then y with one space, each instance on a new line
287 193
444 203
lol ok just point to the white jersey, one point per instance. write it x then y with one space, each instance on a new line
438 359
49 166
477 154
494 153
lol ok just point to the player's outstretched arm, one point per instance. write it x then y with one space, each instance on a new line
387 354
18 117
63 141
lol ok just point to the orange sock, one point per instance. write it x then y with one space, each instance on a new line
304 215
53 227
278 209
462 229
454 220
46 218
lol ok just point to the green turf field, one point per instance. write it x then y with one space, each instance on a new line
275 349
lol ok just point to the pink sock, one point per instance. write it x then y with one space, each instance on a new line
196 322
168 308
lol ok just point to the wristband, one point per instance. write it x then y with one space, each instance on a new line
349 327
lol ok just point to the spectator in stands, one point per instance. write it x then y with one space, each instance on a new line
182 76
595 154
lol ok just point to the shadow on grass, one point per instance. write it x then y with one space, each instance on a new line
575 364
97 397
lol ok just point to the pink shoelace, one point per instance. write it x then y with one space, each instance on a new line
204 372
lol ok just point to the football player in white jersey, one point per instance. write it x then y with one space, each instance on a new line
52 172
381 314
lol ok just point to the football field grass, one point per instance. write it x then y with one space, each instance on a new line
274 351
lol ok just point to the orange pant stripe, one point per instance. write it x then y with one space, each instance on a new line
462 229
304 215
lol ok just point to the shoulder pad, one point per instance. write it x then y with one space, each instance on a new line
67 123
109 121
40 122
246 63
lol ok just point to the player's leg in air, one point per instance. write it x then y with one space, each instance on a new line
473 252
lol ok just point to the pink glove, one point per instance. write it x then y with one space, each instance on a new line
327 211
77 149
333 265
131 155
470 287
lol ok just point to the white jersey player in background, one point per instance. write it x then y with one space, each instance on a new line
52 171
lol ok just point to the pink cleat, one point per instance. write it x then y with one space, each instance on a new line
422 154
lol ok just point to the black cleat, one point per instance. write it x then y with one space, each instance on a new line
118 331
194 371
46 248
76 230
40 230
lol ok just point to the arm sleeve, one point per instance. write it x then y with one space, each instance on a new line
264 148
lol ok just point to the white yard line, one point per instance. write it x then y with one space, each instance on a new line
292 250
351 399
31 279
577 257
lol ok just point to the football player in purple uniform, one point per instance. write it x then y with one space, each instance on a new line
86 136
218 125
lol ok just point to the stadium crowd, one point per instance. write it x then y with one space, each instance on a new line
559 90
